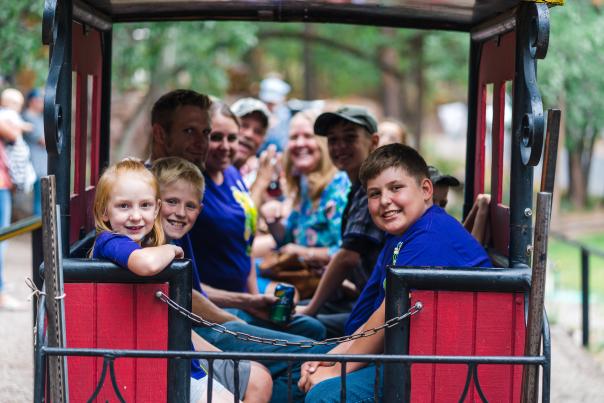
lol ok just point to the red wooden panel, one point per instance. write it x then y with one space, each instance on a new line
466 323
80 330
87 60
120 316
152 334
497 65
454 336
422 386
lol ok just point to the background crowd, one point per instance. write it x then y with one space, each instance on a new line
22 160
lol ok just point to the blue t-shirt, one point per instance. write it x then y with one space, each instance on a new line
436 239
117 248
114 247
187 247
223 233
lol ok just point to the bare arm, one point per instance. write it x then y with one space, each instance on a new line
152 260
8 131
252 280
341 263
242 300
205 308
314 372
266 168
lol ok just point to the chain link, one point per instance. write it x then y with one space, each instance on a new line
280 342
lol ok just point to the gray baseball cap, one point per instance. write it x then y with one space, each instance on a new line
245 106
351 113
438 178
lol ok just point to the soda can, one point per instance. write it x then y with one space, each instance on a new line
281 310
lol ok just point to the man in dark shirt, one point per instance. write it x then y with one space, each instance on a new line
351 136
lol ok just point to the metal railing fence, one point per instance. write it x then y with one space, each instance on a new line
586 251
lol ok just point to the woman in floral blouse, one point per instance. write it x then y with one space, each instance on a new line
318 190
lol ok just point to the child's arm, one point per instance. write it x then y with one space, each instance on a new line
153 259
314 372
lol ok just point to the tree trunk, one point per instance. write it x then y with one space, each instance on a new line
310 82
415 89
577 185
391 88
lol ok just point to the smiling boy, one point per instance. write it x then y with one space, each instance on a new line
399 195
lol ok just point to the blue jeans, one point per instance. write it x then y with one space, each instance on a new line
278 369
359 388
301 325
5 213
37 198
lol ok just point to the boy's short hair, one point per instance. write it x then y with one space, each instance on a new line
164 107
170 169
349 113
393 156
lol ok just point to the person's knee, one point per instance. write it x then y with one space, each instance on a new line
260 385
309 327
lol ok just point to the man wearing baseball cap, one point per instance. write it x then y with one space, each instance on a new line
351 136
254 116
441 184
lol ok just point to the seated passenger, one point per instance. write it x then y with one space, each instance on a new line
350 133
129 233
223 233
478 218
312 231
181 187
391 131
421 234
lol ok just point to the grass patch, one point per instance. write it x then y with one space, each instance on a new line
566 261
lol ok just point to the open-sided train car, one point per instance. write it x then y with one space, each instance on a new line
466 312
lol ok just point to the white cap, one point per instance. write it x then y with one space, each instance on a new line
273 90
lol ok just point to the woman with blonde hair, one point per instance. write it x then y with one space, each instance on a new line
318 191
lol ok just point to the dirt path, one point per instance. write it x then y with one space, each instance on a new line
576 376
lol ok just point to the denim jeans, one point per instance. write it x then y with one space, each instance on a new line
300 325
37 198
278 369
5 213
359 388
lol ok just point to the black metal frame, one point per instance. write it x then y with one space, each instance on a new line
401 280
531 21
177 275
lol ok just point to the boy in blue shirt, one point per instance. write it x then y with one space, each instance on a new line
400 202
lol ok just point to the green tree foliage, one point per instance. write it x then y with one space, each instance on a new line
571 78
21 38
194 54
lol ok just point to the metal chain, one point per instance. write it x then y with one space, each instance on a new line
280 342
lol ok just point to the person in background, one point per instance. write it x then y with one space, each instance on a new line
478 218
312 231
273 92
254 116
441 184
6 134
33 113
392 131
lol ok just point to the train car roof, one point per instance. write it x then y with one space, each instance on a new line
458 15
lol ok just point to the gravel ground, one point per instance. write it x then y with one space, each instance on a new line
576 376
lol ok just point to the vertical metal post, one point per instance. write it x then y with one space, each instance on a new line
585 294
397 376
179 338
475 49
37 257
534 326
